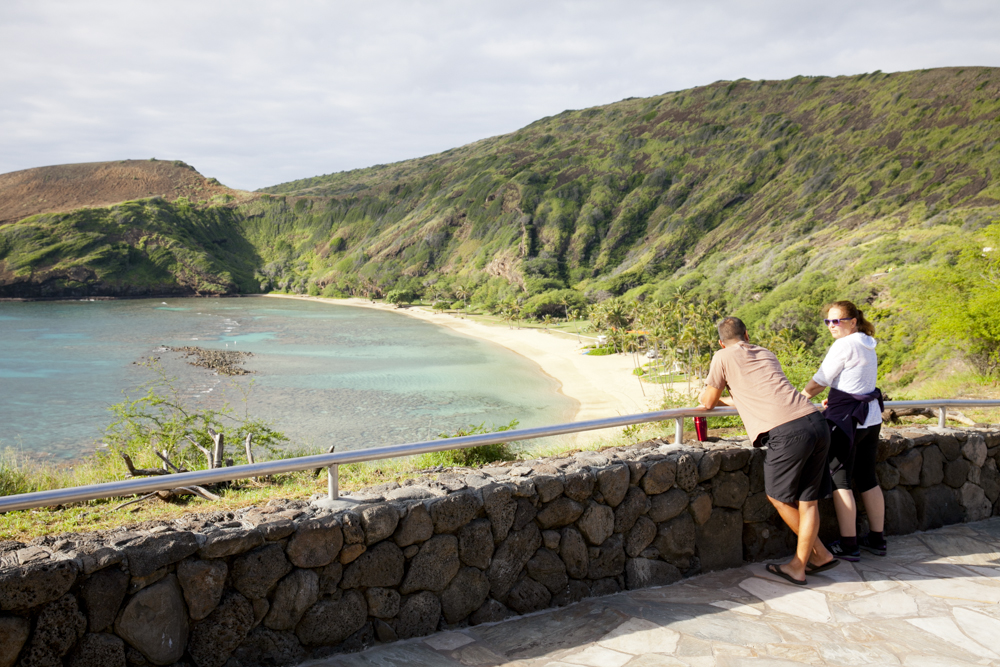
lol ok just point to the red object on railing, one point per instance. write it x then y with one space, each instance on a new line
701 428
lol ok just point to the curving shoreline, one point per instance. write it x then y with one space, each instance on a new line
603 386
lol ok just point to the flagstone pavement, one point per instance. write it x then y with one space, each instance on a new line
934 601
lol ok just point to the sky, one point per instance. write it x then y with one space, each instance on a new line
258 93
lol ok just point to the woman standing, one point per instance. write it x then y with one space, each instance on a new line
854 413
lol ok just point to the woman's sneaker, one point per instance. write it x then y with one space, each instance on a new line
838 550
866 544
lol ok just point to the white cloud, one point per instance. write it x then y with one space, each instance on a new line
256 93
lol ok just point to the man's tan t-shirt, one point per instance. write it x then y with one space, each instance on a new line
763 395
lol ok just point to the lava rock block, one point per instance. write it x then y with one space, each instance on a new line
454 511
475 544
215 638
381 566
659 477
730 489
14 632
709 465
573 552
314 544
527 596
151 552
597 523
465 594
434 567
641 536
513 554
500 507
102 594
908 464
560 512
492 611
548 569
700 507
579 485
379 522
292 597
665 506
256 572
676 540
524 514
900 513
35 583
549 487
687 472
416 527
937 506
612 482
202 582
607 560
956 473
888 476
264 646
224 543
58 627
932 470
635 504
155 622
382 602
758 508
97 650
720 540
330 622
418 615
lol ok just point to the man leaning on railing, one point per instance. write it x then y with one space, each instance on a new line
775 414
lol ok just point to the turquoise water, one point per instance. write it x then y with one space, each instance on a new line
324 374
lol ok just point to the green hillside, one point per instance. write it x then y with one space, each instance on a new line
764 198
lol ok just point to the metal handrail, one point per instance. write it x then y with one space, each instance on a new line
333 460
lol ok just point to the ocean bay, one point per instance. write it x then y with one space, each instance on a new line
324 374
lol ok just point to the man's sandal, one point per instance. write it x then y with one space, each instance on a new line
816 569
778 572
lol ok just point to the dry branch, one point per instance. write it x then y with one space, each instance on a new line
892 415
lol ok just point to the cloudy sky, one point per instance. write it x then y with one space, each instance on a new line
257 93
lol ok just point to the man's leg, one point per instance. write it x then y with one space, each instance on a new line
809 548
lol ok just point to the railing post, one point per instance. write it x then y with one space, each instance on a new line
679 431
942 417
333 481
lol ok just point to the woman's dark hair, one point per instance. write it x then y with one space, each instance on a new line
850 310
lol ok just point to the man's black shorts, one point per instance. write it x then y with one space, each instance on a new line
796 465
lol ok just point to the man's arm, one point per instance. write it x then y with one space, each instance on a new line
710 397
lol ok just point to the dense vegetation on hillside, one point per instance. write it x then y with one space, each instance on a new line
762 198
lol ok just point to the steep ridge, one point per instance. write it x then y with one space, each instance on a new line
638 192
95 184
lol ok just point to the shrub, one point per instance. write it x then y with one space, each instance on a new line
558 303
401 296
472 456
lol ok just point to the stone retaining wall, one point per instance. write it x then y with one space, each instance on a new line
282 583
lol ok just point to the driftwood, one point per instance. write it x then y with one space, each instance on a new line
168 495
892 415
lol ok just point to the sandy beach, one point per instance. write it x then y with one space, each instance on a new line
603 386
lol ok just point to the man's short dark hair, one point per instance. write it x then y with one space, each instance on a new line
731 328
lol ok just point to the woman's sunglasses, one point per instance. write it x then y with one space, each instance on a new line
845 320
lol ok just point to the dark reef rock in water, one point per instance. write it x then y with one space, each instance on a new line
227 362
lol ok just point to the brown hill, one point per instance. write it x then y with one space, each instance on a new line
94 184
